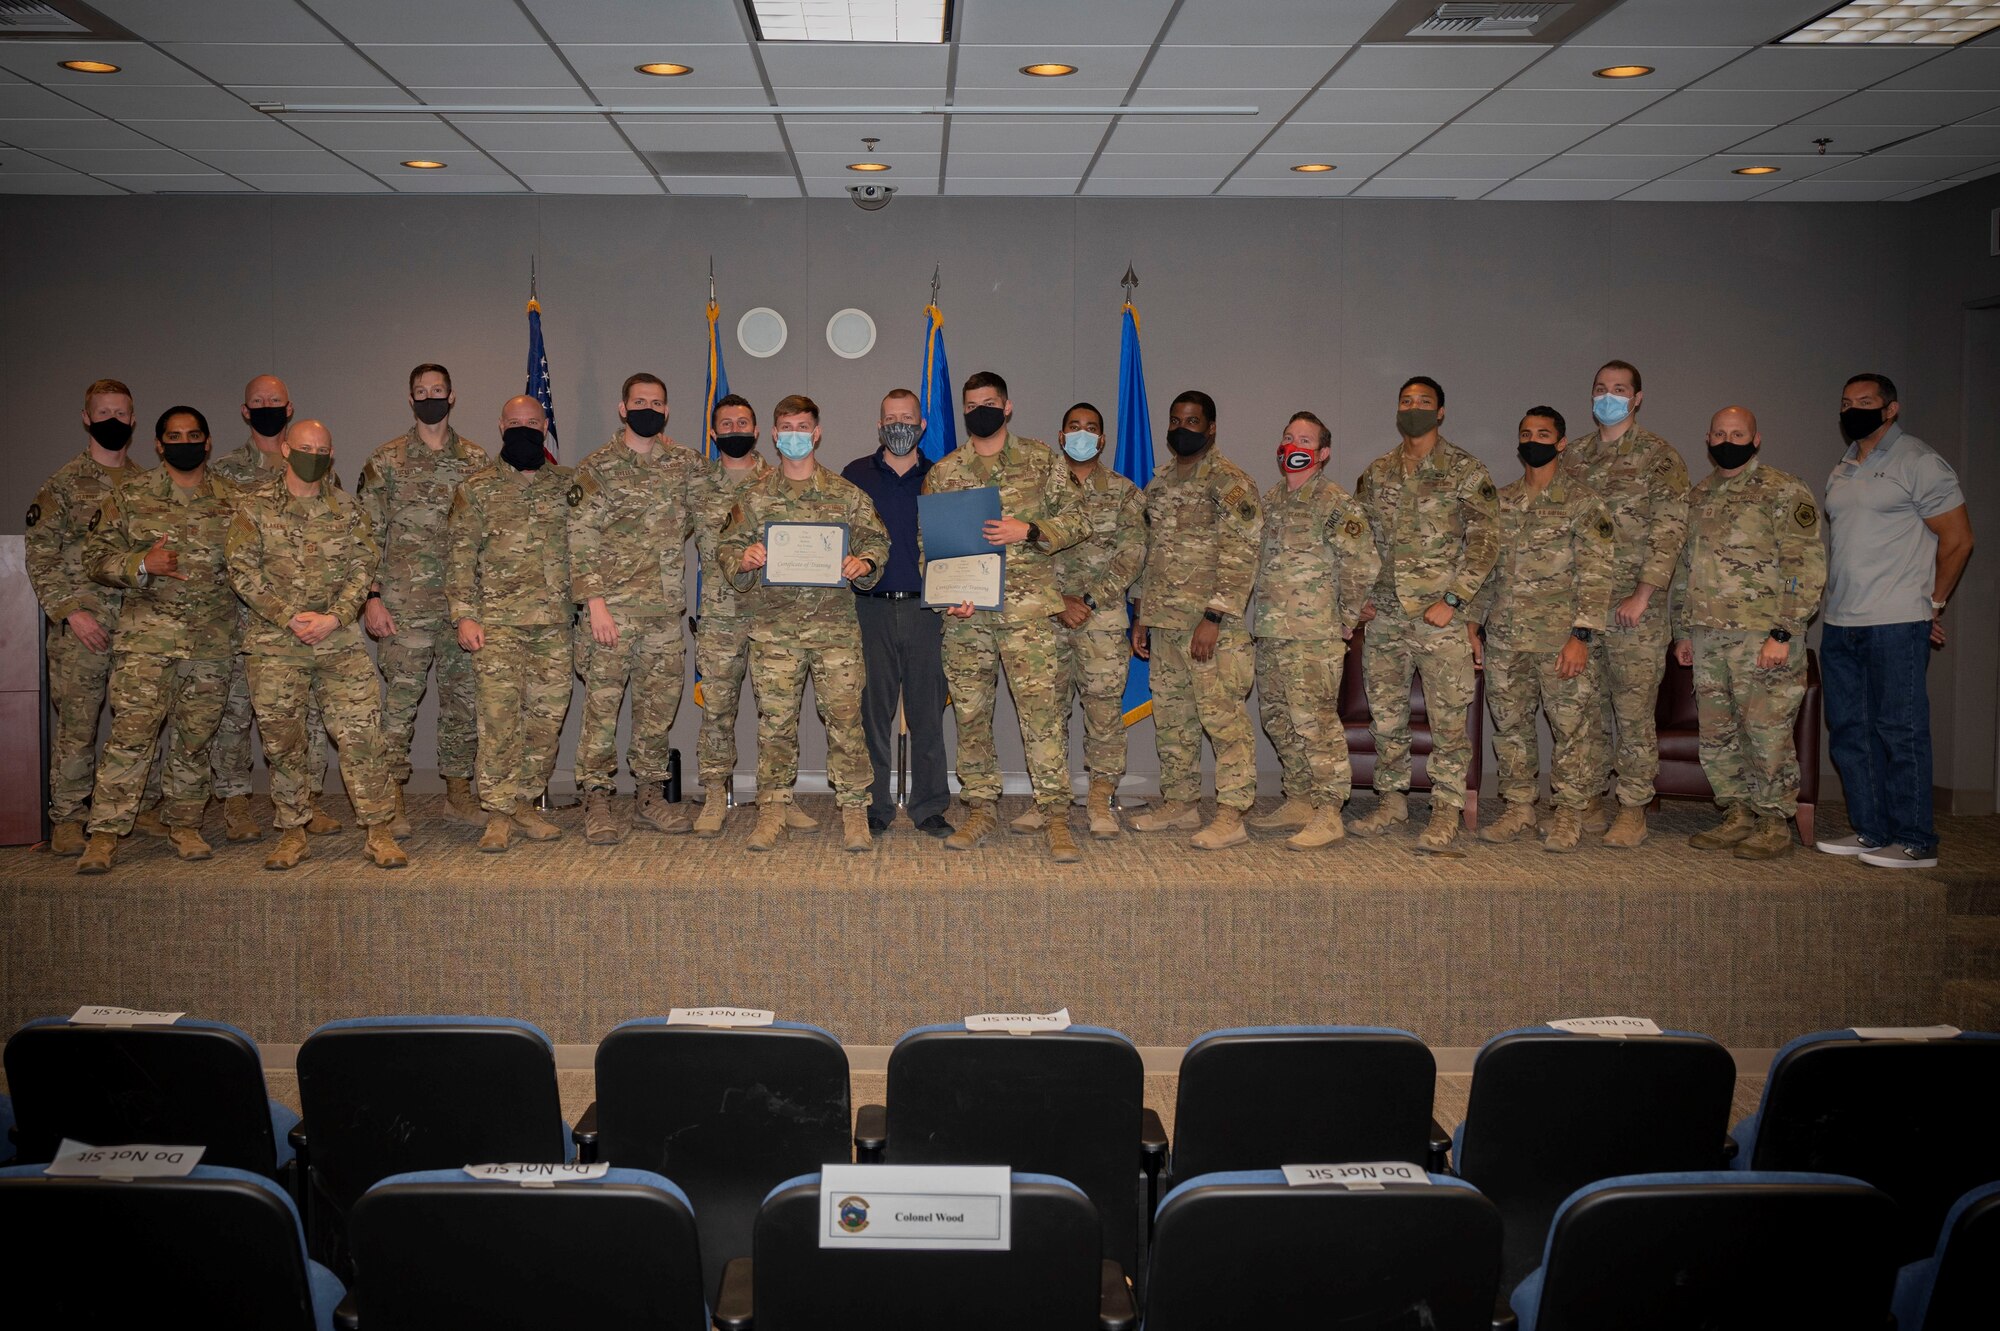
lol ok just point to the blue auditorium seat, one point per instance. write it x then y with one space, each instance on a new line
1956 1288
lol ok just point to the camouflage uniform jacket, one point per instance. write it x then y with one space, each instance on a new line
406 490
1557 560
191 620
720 601
1753 559
60 520
1035 486
630 517
1643 485
288 555
809 617
1317 564
1104 565
1435 528
508 562
1202 531
250 468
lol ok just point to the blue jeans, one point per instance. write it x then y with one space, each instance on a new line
1878 720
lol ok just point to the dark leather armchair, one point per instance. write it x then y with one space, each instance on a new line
1680 756
1354 714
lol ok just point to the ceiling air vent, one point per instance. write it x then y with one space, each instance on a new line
1484 21
54 18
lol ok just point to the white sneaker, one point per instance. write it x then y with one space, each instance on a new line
1847 845
1899 857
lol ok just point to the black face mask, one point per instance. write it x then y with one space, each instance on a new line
521 447
1187 443
985 422
1536 454
1730 456
645 422
184 456
269 421
431 410
735 445
111 433
1860 422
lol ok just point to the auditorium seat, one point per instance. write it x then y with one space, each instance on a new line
1675 718
191 1083
1908 1116
726 1112
220 1249
1354 715
1244 1249
440 1249
1052 1278
1551 1111
1954 1288
1718 1250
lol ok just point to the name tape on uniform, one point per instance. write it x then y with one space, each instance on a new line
1372 1176
532 1175
720 1016
1614 1026
916 1207
77 1160
1019 1023
1906 1032
97 1014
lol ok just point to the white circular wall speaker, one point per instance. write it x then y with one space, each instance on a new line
851 334
761 332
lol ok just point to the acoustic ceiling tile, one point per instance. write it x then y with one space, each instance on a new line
436 182
1298 187
1843 67
1798 137
1722 22
1573 66
830 187
261 133
1211 167
451 66
640 184
1023 166
620 163
126 161
898 134
37 135
1272 104
471 21
1347 166
1467 137
357 183
303 161
1836 191
1589 106
1459 166
54 182
459 163
640 22
1972 68
1273 22
1981 140
1563 190
1097 67
1611 166
957 182
736 134
1695 107
212 183
1402 188
1909 108
1885 166
1138 134
999 134
718 66
1700 191
1645 139
544 134
415 136
1433 65
213 20
326 63
864 65
1130 187
1353 106
40 61
1241 66
756 187
1025 22
1308 142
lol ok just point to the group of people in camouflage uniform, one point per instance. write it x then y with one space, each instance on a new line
199 593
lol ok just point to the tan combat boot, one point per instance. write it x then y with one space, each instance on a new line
714 812
459 804
1323 829
97 855
770 825
499 831
1628 829
1442 829
66 839
1062 846
533 826
855 836
383 850
149 822
1028 823
1391 807
1565 831
1295 812
1169 816
188 843
1735 827
798 820
599 827
1223 831
237 822
979 821
656 813
1597 814
1103 817
1771 839
322 823
1518 817
399 822
291 848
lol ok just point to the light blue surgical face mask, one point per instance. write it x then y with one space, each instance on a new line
1609 408
795 444
1081 445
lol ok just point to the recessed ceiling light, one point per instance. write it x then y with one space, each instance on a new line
665 69
89 66
1312 167
1756 171
423 164
1898 23
1048 69
868 166
1622 72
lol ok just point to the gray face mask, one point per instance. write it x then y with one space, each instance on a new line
899 437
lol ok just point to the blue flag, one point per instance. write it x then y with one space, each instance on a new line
715 388
940 407
1134 461
538 386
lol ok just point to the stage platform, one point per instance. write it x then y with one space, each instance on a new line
1146 934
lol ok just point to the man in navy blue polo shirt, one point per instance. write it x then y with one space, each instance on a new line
902 643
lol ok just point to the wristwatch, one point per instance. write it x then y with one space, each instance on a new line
372 596
1088 600
1937 607
1582 635
1034 534
1212 617
1454 600
1781 635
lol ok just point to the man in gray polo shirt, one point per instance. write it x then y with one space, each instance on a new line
1901 537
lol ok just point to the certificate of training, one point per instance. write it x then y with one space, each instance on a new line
804 554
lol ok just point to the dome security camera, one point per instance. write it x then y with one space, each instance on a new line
871 197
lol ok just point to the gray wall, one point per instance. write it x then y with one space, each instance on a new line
1269 305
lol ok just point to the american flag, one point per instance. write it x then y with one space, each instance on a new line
538 386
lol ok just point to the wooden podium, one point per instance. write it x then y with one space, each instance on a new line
20 698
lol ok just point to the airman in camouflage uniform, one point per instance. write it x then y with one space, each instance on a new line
1041 513
1315 569
1548 597
82 615
1430 505
632 509
1203 525
506 585
798 631
406 490
1749 581
301 558
1643 485
1093 645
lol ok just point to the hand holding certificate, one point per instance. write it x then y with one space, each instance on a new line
804 554
961 566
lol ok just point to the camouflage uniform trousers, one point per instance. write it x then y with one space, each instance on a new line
1626 666
1298 697
78 678
522 678
146 691
1398 646
1746 717
721 657
1190 697
976 651
405 660
348 692
651 657
1092 663
1517 683
778 672
229 751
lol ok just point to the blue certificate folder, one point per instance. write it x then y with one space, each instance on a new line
952 525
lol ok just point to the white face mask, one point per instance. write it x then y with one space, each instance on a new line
1082 445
